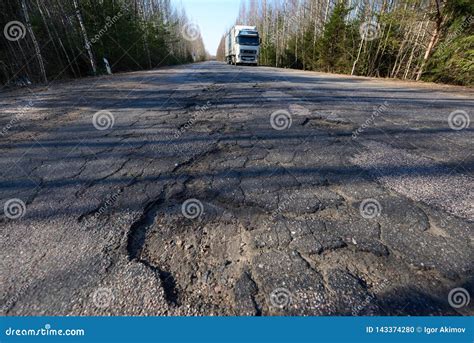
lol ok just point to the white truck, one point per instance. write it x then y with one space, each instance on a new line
242 45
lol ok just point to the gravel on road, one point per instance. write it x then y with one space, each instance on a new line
209 189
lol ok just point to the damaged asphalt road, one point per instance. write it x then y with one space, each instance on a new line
209 189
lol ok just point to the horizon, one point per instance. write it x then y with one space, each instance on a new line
213 17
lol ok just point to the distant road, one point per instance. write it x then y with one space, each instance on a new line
213 189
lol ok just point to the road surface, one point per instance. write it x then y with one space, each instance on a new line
210 189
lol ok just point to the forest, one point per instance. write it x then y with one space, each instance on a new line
46 40
430 40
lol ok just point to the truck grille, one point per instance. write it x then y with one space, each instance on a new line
251 52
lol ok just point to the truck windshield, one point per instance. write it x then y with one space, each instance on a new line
248 40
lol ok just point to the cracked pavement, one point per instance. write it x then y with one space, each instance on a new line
277 223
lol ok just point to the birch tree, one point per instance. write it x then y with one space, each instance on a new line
38 55
84 36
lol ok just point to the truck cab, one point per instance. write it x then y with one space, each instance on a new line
242 45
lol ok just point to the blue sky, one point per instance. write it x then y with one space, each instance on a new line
214 17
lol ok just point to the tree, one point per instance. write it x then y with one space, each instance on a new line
39 57
332 46
410 39
68 38
86 39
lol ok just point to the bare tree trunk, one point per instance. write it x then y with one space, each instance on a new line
53 29
68 25
372 68
45 23
415 45
327 12
142 10
315 32
399 54
385 43
358 56
429 49
400 64
35 42
84 35
433 40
